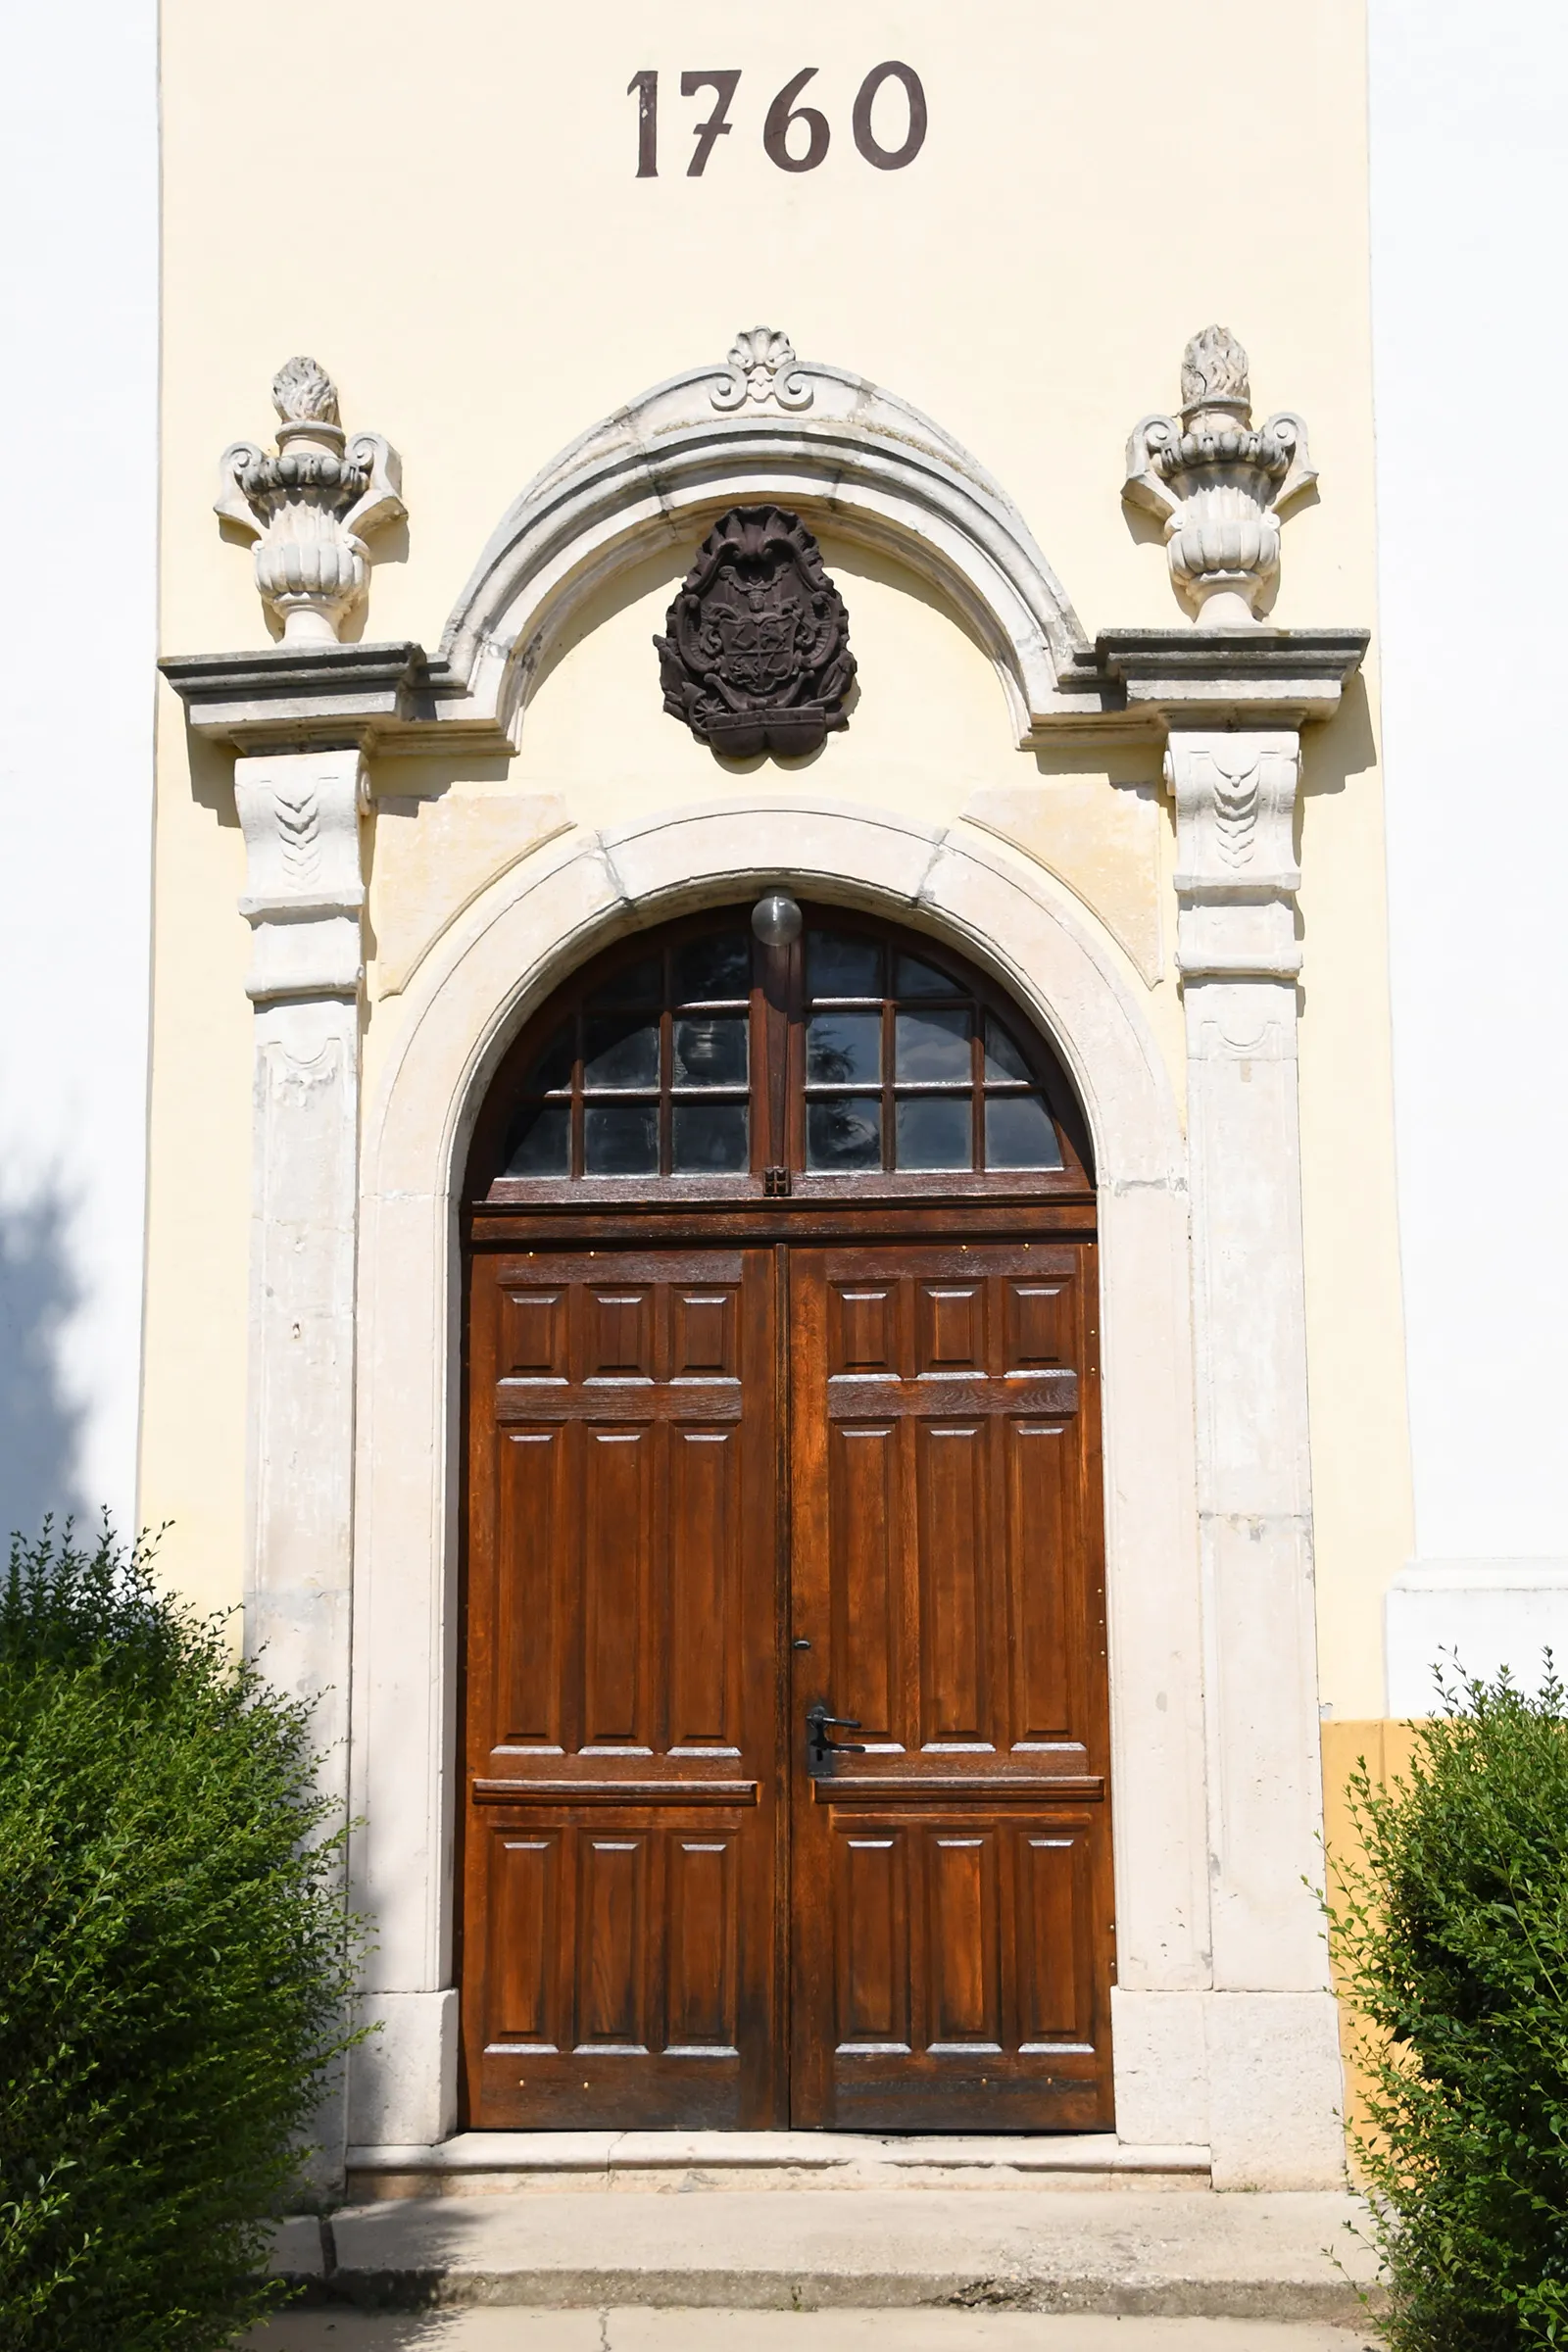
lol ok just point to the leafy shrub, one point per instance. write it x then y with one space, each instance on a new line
175 1960
1453 1939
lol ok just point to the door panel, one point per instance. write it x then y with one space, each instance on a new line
621 1704
930 1948
952 1880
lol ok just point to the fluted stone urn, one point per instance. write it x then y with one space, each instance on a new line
311 506
1220 484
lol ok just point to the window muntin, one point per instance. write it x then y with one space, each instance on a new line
955 1092
650 1075
899 1065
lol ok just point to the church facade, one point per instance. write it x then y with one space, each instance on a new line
772 1240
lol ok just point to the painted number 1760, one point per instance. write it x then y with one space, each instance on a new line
796 137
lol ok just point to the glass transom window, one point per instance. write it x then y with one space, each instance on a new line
906 1071
855 1054
650 1074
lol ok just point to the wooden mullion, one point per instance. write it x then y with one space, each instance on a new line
578 1153
977 1083
665 1108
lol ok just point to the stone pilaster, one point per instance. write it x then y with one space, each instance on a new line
1273 2058
300 814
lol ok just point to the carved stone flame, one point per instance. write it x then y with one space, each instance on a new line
304 393
311 504
1214 372
1220 487
756 652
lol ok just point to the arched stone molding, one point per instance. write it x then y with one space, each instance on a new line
843 451
503 956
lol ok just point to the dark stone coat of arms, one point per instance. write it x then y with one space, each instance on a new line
756 657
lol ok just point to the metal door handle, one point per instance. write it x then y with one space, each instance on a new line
819 1748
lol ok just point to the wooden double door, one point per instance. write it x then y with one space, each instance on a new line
785 1794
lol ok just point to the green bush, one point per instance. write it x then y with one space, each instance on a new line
1453 1939
175 1960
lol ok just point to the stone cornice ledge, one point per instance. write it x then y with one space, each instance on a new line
1224 677
389 698
307 697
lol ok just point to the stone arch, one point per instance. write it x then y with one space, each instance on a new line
487 974
838 449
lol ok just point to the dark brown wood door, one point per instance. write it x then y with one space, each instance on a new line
622 1882
952 1884
782 1394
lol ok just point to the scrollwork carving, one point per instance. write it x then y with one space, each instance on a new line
761 367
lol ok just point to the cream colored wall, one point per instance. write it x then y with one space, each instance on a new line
474 260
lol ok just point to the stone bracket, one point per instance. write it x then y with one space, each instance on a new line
1236 874
300 815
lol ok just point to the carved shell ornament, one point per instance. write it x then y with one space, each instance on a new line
756 655
1219 485
762 365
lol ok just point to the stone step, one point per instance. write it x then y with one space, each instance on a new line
1275 2255
639 2330
479 2163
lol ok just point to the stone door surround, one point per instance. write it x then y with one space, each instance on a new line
1224 2027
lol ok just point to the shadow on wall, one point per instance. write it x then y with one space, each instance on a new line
41 1421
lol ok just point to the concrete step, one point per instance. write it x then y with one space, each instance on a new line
477 2163
1273 2256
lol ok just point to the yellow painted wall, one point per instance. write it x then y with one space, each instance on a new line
444 212
1386 1747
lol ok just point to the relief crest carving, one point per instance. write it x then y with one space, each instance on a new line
756 655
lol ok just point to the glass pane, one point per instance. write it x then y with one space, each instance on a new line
1002 1058
710 1048
843 1048
912 978
552 1072
1019 1133
933 1131
839 966
634 984
620 1050
620 1139
540 1142
931 1046
709 968
845 1133
710 1138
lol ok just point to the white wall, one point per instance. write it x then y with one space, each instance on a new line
78 256
1469 204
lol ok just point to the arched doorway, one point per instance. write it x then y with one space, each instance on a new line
786 1770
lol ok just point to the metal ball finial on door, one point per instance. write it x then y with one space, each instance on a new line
777 919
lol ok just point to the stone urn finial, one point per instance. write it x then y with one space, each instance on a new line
312 505
1219 486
